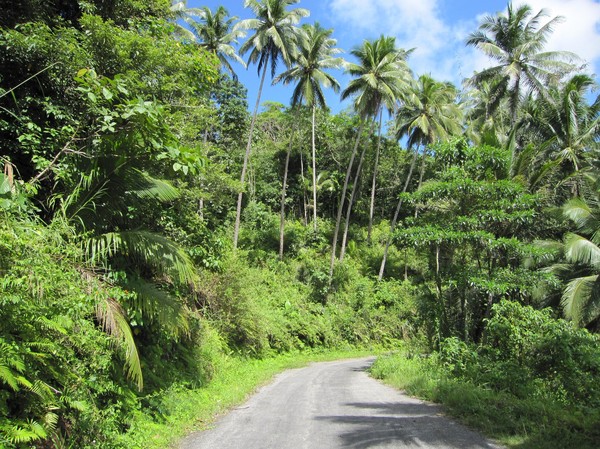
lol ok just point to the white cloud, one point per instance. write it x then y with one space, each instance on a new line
580 31
415 24
440 48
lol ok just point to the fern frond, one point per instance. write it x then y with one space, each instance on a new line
25 432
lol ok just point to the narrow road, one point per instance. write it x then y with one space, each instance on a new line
334 405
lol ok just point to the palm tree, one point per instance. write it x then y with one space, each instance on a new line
380 77
429 114
573 126
515 41
275 37
567 127
581 297
216 33
316 55
182 12
96 206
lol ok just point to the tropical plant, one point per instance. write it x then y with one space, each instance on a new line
380 76
515 41
430 114
217 34
315 56
275 37
180 11
568 126
581 297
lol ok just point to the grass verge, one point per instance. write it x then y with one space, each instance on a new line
183 410
522 423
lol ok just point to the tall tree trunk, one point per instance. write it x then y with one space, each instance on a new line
352 197
374 183
342 200
283 191
350 204
395 219
238 215
421 173
304 201
314 169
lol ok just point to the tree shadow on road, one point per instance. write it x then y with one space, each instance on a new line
400 424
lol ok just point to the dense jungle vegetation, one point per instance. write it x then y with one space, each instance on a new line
155 235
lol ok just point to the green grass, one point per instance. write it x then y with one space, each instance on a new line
183 411
529 423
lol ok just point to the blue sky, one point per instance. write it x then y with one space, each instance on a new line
435 28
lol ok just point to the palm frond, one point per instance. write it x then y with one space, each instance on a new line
148 248
159 305
580 250
112 317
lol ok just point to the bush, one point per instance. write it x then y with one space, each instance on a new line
530 354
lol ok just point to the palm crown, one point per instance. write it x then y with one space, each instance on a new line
217 34
380 75
515 41
275 33
315 55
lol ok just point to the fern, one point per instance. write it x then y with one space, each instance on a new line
23 432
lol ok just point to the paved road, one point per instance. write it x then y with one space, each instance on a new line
334 405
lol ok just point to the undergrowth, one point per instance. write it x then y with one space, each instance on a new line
529 396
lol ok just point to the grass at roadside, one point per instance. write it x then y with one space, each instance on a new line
523 423
183 410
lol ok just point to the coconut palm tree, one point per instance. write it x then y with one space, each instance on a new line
573 126
217 34
515 41
275 38
581 297
380 76
316 55
430 113
181 11
561 136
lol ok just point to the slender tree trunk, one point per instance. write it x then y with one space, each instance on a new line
421 173
350 203
283 191
314 169
374 183
246 159
303 189
395 219
352 197
343 199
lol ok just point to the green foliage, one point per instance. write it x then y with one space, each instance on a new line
543 356
121 152
474 231
536 376
59 370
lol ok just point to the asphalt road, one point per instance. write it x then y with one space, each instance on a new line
334 405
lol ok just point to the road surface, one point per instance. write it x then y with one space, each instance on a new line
334 405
